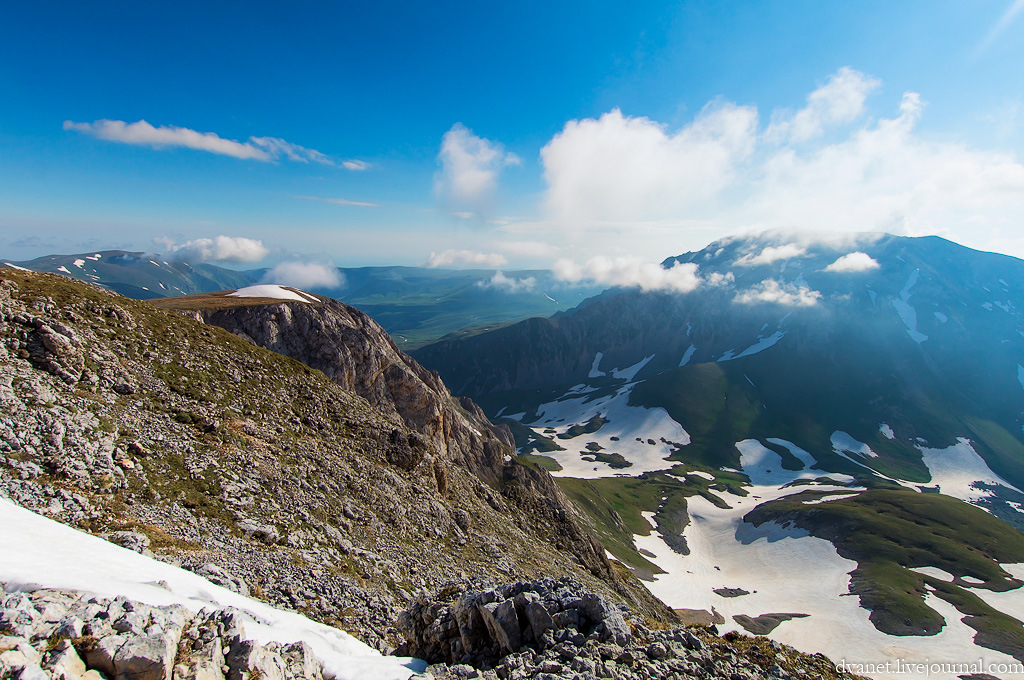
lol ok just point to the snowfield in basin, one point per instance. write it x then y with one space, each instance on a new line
42 553
628 423
786 571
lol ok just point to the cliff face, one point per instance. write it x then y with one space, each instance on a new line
354 351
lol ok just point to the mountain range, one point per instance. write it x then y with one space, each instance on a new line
414 304
867 392
814 439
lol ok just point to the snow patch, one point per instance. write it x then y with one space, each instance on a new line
759 346
958 468
626 423
906 312
595 372
1020 375
273 291
688 355
630 372
941 317
834 497
64 269
79 263
842 442
39 552
804 457
764 466
935 573
886 431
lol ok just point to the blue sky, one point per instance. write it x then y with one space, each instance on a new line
504 135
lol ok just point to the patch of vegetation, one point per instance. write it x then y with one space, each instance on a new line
589 427
543 462
616 461
613 506
527 440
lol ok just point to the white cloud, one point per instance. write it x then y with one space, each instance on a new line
629 272
305 275
508 284
217 249
470 166
772 291
631 183
620 167
718 279
338 201
466 258
144 134
770 254
840 100
853 262
266 149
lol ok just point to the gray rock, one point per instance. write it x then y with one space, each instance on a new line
149 657
132 540
220 577
247 658
99 653
539 618
503 624
64 663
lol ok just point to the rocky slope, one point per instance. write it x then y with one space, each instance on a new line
181 438
354 351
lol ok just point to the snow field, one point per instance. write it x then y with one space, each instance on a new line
272 291
42 553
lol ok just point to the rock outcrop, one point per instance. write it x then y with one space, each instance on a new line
70 635
355 352
550 629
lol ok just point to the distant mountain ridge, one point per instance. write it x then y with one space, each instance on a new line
414 304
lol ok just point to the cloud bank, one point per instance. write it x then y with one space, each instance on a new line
305 275
267 149
629 272
771 254
831 165
217 249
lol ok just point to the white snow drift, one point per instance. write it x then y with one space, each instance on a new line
41 553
